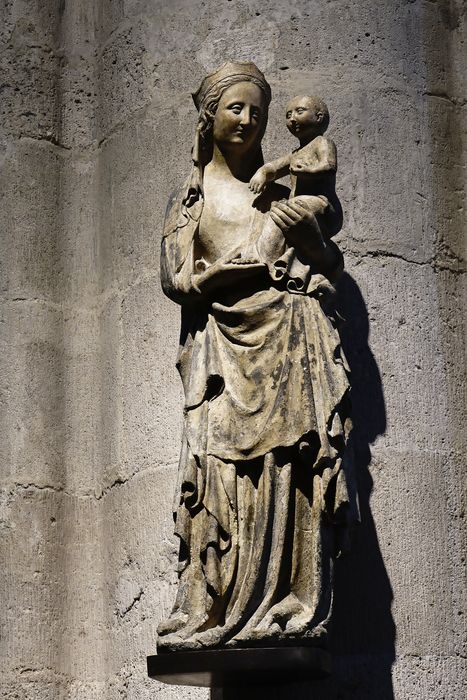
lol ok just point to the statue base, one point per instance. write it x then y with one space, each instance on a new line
218 668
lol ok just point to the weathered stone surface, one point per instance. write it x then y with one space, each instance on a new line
84 187
32 260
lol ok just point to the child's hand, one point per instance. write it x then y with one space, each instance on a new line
258 181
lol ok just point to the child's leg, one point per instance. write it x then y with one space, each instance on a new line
320 213
271 242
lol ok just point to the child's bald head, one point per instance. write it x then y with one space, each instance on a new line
307 116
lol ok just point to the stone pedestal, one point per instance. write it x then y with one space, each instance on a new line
240 667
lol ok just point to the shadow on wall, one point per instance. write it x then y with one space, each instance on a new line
363 635
363 639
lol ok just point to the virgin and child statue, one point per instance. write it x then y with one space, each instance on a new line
262 499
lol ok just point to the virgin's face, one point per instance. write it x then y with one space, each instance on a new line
240 117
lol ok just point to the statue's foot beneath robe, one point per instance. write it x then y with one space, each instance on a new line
274 637
179 631
288 622
174 623
209 639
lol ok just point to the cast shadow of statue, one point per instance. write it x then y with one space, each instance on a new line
363 636
363 633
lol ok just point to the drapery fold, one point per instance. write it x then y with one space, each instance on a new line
262 489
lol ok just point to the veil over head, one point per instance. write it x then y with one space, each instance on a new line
229 74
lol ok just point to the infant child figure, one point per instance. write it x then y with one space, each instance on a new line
312 167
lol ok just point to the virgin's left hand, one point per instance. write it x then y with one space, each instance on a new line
289 213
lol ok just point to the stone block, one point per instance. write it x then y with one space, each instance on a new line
30 87
31 265
128 74
151 389
396 305
54 582
135 184
33 376
140 589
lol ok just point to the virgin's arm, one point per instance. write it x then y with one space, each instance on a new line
176 280
177 257
185 286
226 273
301 229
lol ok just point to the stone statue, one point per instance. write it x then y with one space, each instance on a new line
262 499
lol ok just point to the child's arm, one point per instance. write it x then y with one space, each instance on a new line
269 172
318 158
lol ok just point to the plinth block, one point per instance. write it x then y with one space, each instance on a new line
239 667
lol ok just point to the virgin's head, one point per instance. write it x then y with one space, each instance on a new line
233 112
233 107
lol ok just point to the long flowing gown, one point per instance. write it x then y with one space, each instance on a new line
262 499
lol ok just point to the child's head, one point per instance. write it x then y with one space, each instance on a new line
307 116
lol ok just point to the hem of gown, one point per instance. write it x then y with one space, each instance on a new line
316 637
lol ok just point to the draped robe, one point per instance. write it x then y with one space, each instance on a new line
262 498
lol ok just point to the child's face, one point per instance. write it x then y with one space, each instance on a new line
302 118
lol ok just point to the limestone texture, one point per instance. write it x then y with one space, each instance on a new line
96 130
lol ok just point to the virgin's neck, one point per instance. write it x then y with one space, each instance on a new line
232 164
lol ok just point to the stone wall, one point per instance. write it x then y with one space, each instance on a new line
96 130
